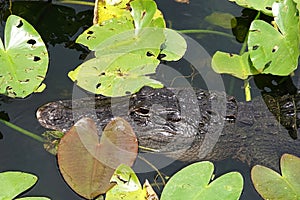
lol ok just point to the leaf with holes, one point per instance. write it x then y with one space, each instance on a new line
97 34
261 5
14 183
23 59
236 65
142 12
272 51
116 74
147 42
193 182
271 185
87 162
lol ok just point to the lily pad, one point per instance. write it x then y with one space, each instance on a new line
128 186
96 34
271 185
174 47
193 182
116 74
261 5
87 162
23 58
236 65
276 51
13 183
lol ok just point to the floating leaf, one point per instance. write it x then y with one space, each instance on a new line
233 64
88 163
96 34
128 186
262 5
146 44
23 59
174 47
14 183
271 185
142 13
116 74
126 52
221 19
272 51
192 182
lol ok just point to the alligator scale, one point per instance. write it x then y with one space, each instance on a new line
192 124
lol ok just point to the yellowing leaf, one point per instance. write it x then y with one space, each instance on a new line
109 9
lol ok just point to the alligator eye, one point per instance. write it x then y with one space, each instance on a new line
143 111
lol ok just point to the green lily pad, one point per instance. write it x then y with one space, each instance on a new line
271 185
23 58
261 5
193 182
14 183
126 52
236 65
272 51
96 34
146 44
174 47
116 74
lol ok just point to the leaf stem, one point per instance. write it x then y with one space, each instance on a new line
206 32
78 2
21 130
243 49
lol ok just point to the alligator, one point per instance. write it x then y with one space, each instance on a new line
191 124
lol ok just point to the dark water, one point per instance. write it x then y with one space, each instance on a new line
59 26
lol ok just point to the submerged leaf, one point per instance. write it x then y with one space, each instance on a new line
24 59
192 182
271 185
87 162
221 19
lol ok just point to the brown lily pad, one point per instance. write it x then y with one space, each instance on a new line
88 162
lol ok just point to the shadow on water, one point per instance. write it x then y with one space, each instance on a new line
59 25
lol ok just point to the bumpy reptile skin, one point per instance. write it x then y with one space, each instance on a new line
192 124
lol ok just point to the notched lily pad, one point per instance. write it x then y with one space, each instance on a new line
271 185
276 51
23 58
193 182
87 162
